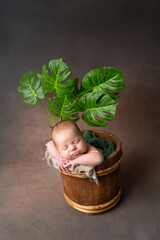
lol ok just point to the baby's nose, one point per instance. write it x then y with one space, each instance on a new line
73 147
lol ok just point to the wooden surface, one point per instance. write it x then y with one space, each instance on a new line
85 195
96 209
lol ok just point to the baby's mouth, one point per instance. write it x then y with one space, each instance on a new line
76 154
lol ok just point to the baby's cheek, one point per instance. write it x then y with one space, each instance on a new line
66 155
84 146
62 154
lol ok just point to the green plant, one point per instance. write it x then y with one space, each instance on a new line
95 98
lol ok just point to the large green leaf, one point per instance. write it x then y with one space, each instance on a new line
97 109
105 81
57 81
62 107
30 88
76 91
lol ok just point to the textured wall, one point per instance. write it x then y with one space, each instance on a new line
87 35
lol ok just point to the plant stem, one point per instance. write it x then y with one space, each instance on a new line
53 120
53 123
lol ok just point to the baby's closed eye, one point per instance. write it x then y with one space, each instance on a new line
64 147
76 141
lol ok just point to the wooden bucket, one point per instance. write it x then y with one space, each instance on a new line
88 197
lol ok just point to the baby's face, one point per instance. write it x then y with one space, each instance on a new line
70 144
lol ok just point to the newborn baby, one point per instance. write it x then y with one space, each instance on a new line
69 148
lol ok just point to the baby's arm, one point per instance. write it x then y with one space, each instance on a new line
93 158
51 148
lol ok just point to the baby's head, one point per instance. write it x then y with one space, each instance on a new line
68 139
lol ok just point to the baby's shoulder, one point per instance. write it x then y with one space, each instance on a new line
93 149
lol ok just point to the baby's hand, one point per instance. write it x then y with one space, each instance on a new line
62 166
72 163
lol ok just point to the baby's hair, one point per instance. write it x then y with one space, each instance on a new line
60 126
